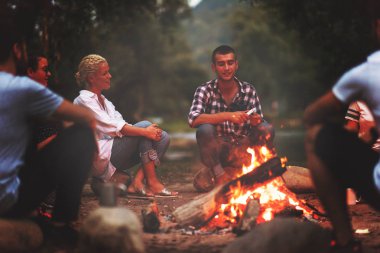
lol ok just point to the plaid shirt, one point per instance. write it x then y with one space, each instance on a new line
209 100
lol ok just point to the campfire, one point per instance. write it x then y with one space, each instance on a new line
258 194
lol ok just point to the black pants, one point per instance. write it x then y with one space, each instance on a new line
62 166
350 160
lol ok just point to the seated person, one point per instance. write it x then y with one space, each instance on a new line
24 183
44 130
121 145
219 112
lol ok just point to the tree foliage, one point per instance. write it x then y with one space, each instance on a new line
149 58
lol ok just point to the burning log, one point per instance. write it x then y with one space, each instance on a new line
248 220
199 211
150 217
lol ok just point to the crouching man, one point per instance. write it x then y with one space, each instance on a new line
228 117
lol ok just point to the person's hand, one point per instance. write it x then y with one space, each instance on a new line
238 117
153 132
255 119
367 137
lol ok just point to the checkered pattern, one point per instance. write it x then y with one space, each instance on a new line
208 99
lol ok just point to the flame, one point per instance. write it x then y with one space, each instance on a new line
273 196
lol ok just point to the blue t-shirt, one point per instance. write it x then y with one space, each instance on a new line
363 83
20 99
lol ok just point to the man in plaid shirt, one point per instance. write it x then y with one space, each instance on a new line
219 112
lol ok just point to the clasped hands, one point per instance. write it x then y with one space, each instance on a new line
242 116
154 132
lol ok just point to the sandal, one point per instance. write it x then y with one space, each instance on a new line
139 193
353 246
166 193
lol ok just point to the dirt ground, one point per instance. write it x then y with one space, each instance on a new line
177 174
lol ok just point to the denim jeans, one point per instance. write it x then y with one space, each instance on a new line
217 152
131 150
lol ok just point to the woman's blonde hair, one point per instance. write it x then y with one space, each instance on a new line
88 64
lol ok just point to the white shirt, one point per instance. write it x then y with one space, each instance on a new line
113 123
363 83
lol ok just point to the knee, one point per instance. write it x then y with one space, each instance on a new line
310 138
143 124
205 131
165 138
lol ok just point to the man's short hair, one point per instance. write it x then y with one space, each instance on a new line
16 25
223 49
33 59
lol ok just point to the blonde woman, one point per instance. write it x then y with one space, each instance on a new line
121 145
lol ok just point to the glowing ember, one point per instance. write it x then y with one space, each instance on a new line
273 197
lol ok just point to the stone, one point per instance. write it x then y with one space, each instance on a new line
285 235
111 230
19 235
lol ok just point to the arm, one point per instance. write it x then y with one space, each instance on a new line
77 114
326 109
152 132
110 121
216 118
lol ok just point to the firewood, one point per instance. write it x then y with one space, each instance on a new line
248 219
150 217
199 211
298 179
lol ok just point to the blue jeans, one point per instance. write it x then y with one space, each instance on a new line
131 150
217 152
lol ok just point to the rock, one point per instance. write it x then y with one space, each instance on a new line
19 235
283 235
111 230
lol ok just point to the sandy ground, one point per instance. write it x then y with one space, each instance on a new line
172 239
178 176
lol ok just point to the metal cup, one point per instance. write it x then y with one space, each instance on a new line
108 195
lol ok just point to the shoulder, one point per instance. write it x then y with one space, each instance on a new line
247 87
206 88
84 97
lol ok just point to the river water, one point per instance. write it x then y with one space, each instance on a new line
288 143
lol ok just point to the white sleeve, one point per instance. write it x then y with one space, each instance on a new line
112 119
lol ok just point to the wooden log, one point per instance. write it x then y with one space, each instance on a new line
199 211
248 219
19 235
298 179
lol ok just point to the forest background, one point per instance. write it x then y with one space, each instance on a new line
159 50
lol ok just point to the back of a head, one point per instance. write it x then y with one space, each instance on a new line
16 25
